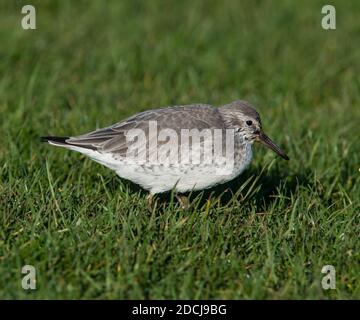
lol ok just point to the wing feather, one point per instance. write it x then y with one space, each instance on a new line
113 138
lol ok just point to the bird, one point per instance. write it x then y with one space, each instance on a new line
137 148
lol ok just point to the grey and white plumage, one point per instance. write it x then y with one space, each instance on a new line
110 146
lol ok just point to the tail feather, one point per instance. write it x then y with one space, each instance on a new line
88 150
62 142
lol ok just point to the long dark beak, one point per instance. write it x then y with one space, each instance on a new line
265 140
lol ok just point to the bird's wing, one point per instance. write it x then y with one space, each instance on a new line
114 139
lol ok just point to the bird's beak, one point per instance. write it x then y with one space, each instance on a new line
265 140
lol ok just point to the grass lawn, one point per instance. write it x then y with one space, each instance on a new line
266 235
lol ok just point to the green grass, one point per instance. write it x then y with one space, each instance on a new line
265 235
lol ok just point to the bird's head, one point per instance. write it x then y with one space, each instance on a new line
243 117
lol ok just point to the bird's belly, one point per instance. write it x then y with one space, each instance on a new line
159 178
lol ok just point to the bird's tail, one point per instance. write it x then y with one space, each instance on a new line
58 141
88 150
67 142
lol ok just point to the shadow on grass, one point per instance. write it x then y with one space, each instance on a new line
255 187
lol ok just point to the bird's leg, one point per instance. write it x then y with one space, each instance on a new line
150 199
183 200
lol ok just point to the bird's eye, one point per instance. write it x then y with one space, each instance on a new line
249 122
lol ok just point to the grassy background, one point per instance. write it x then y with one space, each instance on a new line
265 235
